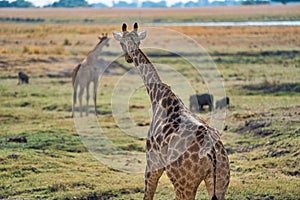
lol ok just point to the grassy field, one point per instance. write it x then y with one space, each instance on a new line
260 67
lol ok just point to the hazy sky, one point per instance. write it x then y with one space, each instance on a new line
107 2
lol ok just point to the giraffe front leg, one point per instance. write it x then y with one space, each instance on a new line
151 181
87 99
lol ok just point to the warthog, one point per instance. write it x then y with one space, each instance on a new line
23 78
222 103
197 101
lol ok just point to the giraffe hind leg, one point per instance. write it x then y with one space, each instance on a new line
87 99
80 100
218 190
74 101
95 97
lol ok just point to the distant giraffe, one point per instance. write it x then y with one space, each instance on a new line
178 142
86 72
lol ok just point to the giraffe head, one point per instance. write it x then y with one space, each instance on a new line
130 41
103 39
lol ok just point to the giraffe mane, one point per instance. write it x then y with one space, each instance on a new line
104 37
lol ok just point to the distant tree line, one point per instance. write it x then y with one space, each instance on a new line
69 4
16 4
60 3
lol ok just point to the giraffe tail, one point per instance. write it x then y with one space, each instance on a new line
214 161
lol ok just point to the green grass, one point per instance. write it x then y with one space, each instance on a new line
55 163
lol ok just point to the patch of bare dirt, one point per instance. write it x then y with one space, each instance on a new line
257 127
267 87
143 124
111 194
136 107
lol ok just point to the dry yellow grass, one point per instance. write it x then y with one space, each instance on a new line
120 12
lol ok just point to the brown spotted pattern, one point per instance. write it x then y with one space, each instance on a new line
178 141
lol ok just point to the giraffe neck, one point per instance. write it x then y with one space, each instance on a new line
93 54
147 70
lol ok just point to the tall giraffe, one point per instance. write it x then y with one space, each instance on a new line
86 72
178 141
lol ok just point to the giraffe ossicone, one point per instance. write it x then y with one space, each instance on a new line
178 141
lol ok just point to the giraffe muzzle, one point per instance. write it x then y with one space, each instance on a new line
128 58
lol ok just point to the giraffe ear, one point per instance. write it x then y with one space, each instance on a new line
117 35
142 34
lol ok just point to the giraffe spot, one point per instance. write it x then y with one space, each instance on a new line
218 145
164 102
188 193
222 165
210 157
148 174
195 157
195 169
200 133
158 92
136 51
178 120
181 188
194 148
148 145
186 155
159 139
166 127
175 102
176 185
174 173
179 161
175 116
176 125
170 110
182 181
176 108
170 131
200 138
183 173
170 101
223 152
188 163
189 176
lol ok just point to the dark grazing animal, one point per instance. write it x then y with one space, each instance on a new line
23 78
17 139
222 103
197 101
